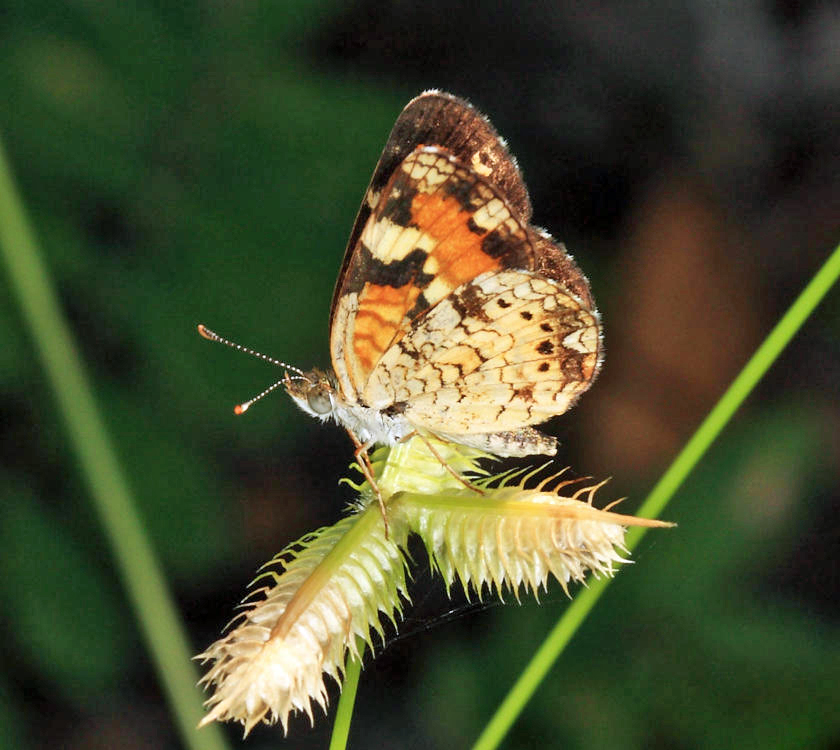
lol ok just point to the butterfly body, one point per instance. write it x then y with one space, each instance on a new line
453 316
318 395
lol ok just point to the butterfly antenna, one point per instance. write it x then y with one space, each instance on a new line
206 333
242 408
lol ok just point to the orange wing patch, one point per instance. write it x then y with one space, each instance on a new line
457 256
381 311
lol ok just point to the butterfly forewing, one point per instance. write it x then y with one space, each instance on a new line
436 118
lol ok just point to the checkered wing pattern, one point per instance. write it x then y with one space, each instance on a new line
509 349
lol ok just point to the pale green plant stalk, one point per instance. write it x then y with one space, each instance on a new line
135 559
344 710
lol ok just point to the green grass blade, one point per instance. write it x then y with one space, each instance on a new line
344 712
136 562
741 387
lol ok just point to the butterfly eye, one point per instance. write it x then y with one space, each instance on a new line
320 402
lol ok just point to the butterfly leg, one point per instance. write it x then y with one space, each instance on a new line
363 460
443 463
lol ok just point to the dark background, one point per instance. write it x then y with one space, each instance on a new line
203 161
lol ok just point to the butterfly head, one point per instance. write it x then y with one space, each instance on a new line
314 392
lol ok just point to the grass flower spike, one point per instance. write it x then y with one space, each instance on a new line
329 592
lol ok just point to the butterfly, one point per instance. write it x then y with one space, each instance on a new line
452 317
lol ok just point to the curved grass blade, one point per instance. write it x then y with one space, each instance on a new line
136 562
660 495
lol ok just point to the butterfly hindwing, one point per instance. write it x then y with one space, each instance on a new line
509 349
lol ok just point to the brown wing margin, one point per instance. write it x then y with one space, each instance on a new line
436 118
554 262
